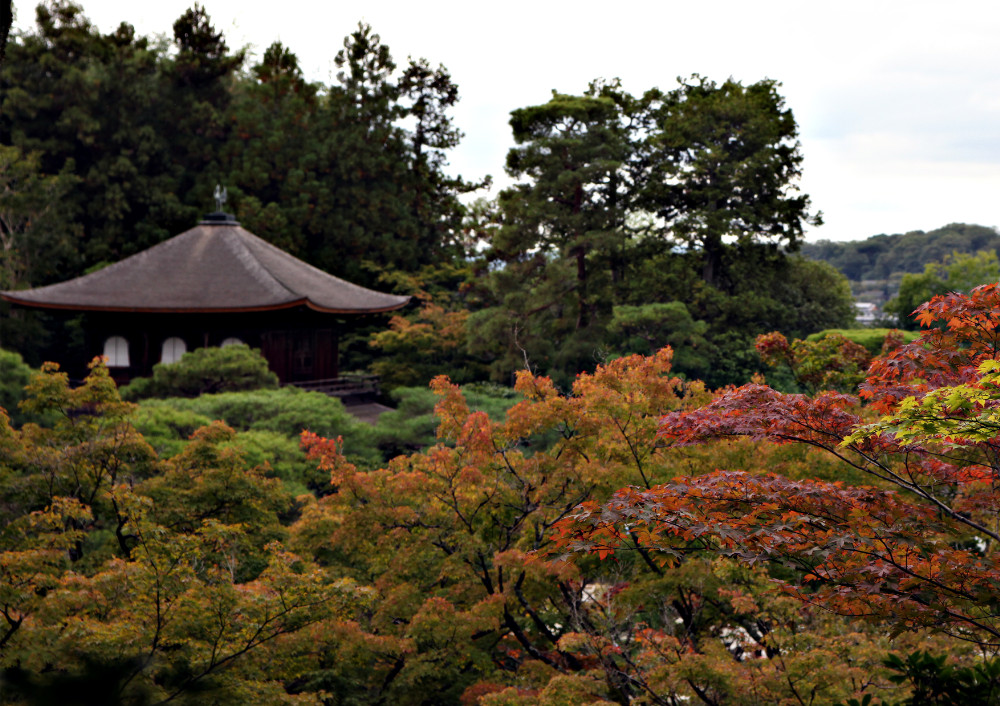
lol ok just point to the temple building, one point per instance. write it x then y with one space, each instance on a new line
213 285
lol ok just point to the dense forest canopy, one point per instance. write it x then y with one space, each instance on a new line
881 256
133 134
901 271
636 220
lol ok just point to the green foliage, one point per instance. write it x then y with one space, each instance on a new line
412 426
965 271
769 292
269 423
668 201
560 240
876 266
167 428
646 328
6 20
348 176
205 371
14 377
872 339
830 362
286 411
718 161
880 256
144 580
281 456
427 581
420 344
36 233
813 295
99 108
957 272
914 290
935 681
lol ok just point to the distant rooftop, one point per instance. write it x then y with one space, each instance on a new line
217 266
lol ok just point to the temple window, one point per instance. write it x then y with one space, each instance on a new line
231 341
173 349
116 352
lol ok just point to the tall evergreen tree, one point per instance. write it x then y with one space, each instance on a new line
91 105
199 82
552 291
6 20
719 164
272 159
679 197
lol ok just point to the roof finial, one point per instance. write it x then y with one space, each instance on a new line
220 197
220 217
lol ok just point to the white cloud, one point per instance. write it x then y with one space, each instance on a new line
897 102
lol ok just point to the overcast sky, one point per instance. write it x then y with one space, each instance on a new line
898 103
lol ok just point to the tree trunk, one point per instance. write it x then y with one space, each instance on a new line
582 315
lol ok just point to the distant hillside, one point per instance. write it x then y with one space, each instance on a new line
875 266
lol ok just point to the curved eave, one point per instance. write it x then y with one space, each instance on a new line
205 310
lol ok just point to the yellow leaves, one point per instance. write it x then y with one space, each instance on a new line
329 454
533 387
952 415
991 365
451 410
61 513
432 329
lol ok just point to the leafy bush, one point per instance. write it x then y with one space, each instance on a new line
14 376
167 573
282 457
286 411
647 328
412 425
166 428
205 370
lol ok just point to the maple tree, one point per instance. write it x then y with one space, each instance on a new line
916 549
418 344
470 604
830 362
147 580
431 580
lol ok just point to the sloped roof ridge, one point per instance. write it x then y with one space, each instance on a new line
255 241
213 267
235 238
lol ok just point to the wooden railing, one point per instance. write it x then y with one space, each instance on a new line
343 386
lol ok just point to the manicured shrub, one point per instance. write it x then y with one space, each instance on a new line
286 411
204 371
14 375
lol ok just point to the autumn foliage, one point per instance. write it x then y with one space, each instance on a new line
585 548
915 550
132 579
475 602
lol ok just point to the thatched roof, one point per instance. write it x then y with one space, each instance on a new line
218 266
